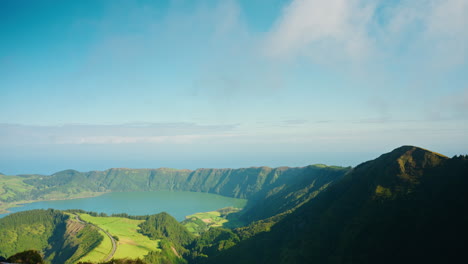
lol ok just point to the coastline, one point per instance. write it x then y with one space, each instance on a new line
5 206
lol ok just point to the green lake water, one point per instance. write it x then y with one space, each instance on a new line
177 204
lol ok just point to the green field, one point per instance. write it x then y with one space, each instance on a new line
212 219
101 252
130 244
200 222
11 186
14 192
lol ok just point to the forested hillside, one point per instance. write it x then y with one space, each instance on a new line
60 239
406 206
250 183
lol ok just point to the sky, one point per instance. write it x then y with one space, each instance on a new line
91 85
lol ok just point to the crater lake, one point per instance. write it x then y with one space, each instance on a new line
177 204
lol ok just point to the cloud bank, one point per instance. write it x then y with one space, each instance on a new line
153 133
359 29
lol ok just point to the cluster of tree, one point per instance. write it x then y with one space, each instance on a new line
164 226
406 206
29 230
167 255
248 183
28 256
119 261
133 217
95 214
35 257
421 220
197 225
49 232
210 243
465 157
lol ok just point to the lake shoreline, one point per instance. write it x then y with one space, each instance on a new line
4 207
177 203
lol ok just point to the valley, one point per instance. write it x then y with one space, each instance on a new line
407 202
177 203
124 242
233 132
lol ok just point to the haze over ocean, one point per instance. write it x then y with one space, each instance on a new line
90 85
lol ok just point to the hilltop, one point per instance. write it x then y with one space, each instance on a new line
405 206
245 183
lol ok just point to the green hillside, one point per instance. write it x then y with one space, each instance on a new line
163 225
249 183
59 238
407 206
287 196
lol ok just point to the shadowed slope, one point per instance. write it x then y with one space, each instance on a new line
246 183
51 232
407 206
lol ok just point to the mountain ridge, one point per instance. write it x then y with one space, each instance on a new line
405 206
373 213
245 183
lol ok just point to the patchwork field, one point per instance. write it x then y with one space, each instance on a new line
101 252
130 243
212 219
199 222
11 185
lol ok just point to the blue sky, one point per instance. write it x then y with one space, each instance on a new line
187 84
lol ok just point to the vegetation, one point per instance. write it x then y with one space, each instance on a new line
419 220
309 182
211 243
201 222
12 186
29 230
82 239
51 232
164 226
131 244
167 255
119 261
248 183
406 206
100 252
29 256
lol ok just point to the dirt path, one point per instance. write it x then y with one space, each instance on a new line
114 244
175 252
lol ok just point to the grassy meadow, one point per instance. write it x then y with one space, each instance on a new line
11 185
130 244
200 222
211 219
101 252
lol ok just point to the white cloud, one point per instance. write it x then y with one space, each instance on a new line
177 139
320 28
353 30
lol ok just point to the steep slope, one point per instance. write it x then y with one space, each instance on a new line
163 225
173 238
210 243
49 231
29 256
289 196
251 183
407 206
29 230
